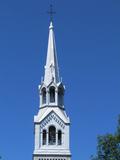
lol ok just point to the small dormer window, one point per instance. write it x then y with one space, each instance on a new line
59 137
52 94
43 95
44 137
60 96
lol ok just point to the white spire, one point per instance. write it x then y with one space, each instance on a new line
51 67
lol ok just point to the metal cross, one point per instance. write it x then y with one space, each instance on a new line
51 12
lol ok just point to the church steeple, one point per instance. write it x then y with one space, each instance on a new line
51 67
51 89
51 123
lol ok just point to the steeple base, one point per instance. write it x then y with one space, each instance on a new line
51 157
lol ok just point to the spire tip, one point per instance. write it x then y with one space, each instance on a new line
51 25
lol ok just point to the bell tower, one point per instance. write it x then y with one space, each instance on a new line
51 123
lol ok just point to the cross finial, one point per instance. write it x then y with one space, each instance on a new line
51 12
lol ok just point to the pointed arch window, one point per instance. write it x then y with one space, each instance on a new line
43 95
60 96
52 94
44 137
59 137
52 135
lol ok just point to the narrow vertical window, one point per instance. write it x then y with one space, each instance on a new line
52 94
44 137
60 96
59 137
52 135
43 96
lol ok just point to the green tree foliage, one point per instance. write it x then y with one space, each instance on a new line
109 146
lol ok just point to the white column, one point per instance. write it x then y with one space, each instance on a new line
37 136
40 99
47 136
57 138
56 97
41 135
47 96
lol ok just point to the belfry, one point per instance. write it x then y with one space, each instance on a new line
51 123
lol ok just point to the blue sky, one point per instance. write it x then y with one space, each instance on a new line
88 45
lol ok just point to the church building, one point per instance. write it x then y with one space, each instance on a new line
52 125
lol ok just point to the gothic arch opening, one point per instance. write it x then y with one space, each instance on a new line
52 135
43 95
59 137
52 94
44 137
60 96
